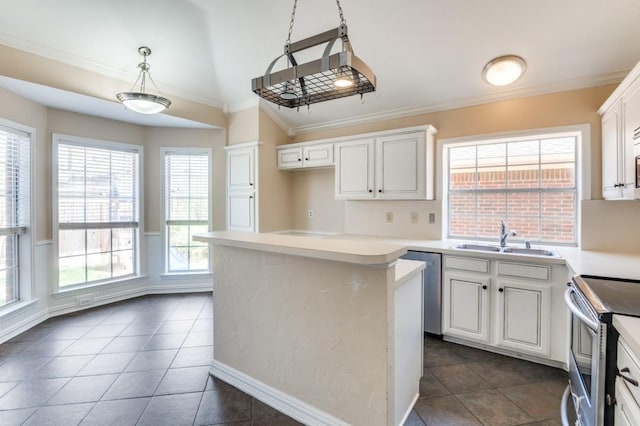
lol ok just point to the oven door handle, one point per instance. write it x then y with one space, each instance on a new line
575 309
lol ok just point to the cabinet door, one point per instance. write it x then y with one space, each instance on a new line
318 155
354 170
631 136
241 169
289 158
523 316
241 212
466 307
627 411
401 167
610 159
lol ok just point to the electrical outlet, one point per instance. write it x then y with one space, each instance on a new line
388 217
414 217
310 214
84 300
432 218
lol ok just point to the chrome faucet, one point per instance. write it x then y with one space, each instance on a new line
505 233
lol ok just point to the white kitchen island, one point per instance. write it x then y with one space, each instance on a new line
327 331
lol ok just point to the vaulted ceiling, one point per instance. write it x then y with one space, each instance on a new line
427 54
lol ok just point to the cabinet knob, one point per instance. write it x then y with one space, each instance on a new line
250 183
371 190
299 159
379 190
484 287
306 159
250 196
501 290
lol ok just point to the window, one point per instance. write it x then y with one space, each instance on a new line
97 210
186 209
15 146
530 182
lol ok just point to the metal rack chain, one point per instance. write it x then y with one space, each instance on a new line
293 18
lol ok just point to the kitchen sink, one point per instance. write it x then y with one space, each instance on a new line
478 247
507 250
529 251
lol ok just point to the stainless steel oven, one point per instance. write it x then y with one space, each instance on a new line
636 193
587 359
592 302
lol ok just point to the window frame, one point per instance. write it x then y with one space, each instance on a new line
138 244
581 132
164 239
25 240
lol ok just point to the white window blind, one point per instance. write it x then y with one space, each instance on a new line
186 210
97 212
14 207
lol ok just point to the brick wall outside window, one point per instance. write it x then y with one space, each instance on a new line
538 199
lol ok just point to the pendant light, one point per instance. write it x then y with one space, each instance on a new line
328 77
142 102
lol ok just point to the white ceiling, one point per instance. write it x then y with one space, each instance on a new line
427 54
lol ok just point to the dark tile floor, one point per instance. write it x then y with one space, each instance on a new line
145 361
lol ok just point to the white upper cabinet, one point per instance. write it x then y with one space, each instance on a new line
620 132
241 168
355 170
305 156
394 165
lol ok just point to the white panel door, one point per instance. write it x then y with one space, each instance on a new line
466 307
241 212
289 158
610 159
631 136
354 170
523 316
241 165
400 169
318 155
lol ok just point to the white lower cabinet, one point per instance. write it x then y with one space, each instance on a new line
505 305
466 309
627 411
523 316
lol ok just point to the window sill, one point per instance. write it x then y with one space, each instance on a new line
183 275
73 289
17 306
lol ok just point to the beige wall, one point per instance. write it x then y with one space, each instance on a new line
157 138
243 126
37 69
314 190
619 233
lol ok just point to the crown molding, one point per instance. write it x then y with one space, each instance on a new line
97 67
506 95
243 105
276 118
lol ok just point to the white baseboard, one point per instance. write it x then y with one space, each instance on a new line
23 326
408 413
285 403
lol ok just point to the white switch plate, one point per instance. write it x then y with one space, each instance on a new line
388 217
310 214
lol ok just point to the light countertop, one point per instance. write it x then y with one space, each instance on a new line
371 252
629 329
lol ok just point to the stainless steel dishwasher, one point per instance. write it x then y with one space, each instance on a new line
432 284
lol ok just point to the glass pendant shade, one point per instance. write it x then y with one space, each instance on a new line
140 101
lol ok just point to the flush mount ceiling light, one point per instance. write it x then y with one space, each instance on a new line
330 77
504 70
142 102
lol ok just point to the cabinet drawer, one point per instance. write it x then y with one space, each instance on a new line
523 270
627 360
627 412
466 264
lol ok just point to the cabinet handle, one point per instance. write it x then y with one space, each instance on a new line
634 382
484 287
501 290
